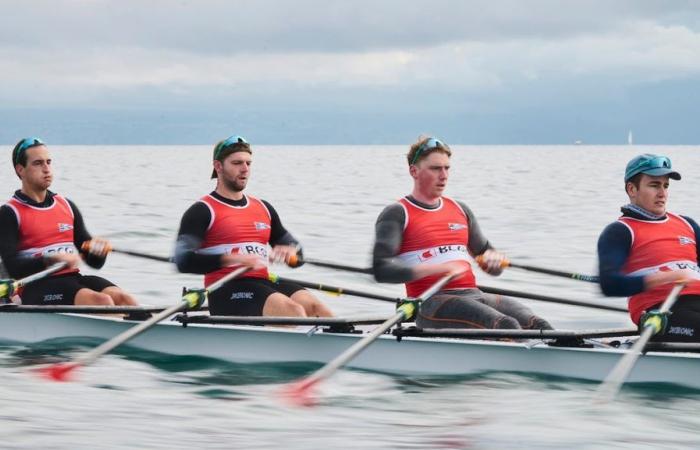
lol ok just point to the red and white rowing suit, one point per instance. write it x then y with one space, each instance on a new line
45 231
436 236
660 246
237 230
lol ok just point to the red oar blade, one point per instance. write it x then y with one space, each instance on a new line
58 372
300 393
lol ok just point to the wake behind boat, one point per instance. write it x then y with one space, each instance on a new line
407 352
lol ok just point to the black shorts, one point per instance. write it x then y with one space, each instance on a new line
247 296
61 289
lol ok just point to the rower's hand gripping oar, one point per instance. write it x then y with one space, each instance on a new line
108 248
300 390
9 287
192 299
574 276
653 325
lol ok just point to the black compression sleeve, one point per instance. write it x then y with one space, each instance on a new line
16 266
193 229
81 235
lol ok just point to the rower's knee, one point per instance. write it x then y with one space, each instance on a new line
119 297
281 305
90 297
506 323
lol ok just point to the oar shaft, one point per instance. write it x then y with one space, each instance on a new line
39 275
545 298
345 357
613 382
294 262
339 290
558 273
143 255
90 357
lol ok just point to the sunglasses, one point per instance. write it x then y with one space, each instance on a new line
23 145
229 141
427 145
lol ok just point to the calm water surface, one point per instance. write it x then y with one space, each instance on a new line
541 205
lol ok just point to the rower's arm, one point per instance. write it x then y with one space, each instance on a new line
478 243
387 243
614 246
193 229
80 236
278 234
696 229
16 266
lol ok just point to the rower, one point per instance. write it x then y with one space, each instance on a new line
647 249
227 229
426 235
39 228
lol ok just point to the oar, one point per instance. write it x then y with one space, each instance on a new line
295 261
613 382
489 290
109 248
300 390
558 273
190 300
9 287
546 298
334 289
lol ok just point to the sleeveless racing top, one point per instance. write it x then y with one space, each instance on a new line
659 246
237 230
435 236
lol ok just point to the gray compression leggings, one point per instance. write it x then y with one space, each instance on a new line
471 308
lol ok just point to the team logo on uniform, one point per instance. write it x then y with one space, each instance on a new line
261 226
456 226
426 255
64 227
684 240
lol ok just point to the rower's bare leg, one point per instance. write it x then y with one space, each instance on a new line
120 297
87 296
280 305
313 306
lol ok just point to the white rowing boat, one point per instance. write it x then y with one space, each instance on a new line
407 356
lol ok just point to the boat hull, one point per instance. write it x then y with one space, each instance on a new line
410 356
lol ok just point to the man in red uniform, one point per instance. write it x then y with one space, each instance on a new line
426 235
227 229
647 249
39 228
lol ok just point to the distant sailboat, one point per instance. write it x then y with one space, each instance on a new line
629 138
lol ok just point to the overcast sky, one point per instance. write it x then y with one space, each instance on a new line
356 72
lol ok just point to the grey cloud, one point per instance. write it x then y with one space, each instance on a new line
231 27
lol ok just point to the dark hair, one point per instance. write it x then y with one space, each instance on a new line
418 151
635 180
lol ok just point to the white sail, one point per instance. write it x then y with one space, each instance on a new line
629 138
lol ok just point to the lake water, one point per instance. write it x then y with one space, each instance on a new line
543 206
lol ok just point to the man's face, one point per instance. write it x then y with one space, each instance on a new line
430 174
234 171
37 174
651 195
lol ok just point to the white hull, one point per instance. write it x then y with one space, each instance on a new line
410 356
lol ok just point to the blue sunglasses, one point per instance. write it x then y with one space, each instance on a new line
231 140
23 145
427 145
